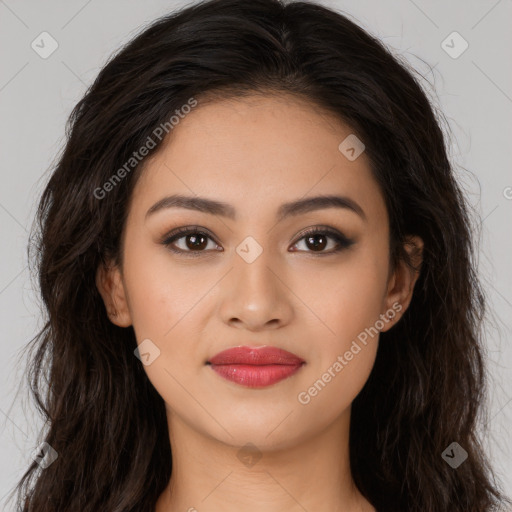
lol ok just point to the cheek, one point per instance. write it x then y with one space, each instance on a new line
347 297
161 294
349 302
167 305
166 308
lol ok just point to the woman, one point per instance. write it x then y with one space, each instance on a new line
258 274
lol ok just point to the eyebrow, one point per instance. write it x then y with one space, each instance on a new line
293 208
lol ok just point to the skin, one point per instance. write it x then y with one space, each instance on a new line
255 154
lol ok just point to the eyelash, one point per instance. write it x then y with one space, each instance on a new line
342 241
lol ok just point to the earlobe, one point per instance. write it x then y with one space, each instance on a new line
402 282
111 288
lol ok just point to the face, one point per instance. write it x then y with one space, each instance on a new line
251 275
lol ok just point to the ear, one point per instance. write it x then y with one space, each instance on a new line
109 282
401 282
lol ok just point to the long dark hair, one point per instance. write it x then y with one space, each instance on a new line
427 389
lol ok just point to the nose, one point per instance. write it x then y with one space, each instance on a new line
255 295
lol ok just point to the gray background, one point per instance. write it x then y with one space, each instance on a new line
473 90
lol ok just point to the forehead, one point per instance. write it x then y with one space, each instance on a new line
256 152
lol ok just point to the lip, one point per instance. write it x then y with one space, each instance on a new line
255 367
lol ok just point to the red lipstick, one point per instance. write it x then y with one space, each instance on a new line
255 367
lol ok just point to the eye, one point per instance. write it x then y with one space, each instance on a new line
317 238
194 240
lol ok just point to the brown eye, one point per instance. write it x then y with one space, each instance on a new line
195 242
191 241
316 240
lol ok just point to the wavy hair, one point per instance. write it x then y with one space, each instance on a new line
428 385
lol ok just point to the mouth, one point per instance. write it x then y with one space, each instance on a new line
255 367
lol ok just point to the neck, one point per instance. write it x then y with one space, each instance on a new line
299 475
